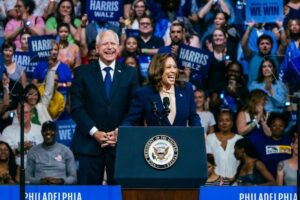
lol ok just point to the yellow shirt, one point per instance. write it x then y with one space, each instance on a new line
57 103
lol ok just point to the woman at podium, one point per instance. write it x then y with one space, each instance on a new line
165 101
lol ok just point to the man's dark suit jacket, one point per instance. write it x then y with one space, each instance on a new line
145 98
90 106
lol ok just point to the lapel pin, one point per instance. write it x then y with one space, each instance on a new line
119 71
180 95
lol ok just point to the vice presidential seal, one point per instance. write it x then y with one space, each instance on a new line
161 152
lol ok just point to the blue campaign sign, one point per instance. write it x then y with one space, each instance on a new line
104 10
132 32
264 10
197 59
66 130
62 192
28 60
42 45
193 58
248 193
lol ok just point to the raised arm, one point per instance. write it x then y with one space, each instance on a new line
245 39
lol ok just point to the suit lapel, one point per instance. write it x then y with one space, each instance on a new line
99 86
179 103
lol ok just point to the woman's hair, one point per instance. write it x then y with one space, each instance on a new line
260 76
30 4
138 67
31 87
251 102
132 14
248 147
205 103
125 52
12 166
156 70
59 17
277 115
211 159
8 44
223 31
63 25
288 32
227 112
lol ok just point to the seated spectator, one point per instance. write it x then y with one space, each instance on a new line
137 10
51 97
50 163
63 71
24 42
14 71
207 118
251 121
264 44
147 42
234 92
221 145
208 12
214 179
10 91
251 170
64 14
25 21
291 11
276 148
267 80
68 52
287 71
32 133
287 169
221 58
39 112
9 171
177 38
130 48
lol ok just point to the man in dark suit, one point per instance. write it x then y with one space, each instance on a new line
100 97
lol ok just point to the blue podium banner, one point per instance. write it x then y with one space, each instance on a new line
62 193
248 193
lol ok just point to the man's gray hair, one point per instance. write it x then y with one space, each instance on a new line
100 35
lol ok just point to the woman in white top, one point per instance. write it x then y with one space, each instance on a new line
221 145
207 118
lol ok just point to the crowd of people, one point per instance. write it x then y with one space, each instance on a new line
107 74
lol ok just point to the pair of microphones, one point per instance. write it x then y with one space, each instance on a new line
165 112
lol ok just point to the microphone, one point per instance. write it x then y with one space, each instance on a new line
154 107
166 104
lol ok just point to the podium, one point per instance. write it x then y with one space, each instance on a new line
140 155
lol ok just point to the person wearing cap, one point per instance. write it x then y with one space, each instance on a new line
50 163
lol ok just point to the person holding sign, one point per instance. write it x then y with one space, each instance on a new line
100 97
25 21
64 14
264 44
166 101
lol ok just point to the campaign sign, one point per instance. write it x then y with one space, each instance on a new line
264 10
104 10
62 192
248 193
66 130
28 60
42 45
132 32
193 58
